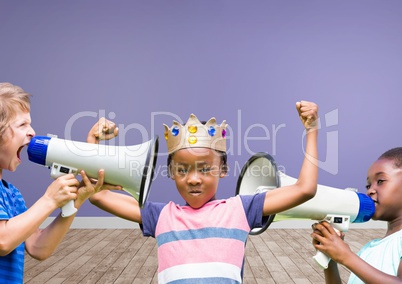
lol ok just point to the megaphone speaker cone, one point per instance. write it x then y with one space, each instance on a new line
259 174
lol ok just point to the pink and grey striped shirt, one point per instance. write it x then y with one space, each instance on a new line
204 245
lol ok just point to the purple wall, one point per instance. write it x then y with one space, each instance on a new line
143 62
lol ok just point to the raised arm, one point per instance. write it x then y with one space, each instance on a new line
283 198
118 204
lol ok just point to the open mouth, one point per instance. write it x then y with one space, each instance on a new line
19 152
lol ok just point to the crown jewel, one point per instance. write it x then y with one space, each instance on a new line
194 134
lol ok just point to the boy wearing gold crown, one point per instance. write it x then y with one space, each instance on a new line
204 240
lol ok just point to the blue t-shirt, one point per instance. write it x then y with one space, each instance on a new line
11 204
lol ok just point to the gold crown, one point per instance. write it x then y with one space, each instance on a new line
194 134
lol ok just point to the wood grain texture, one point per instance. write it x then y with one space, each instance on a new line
125 256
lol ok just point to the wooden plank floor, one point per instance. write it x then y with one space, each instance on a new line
125 256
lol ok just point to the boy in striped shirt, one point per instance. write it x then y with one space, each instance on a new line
204 240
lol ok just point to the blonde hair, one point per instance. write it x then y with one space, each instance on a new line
12 99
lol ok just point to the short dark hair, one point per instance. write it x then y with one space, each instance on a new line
394 154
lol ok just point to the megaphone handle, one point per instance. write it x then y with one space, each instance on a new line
68 209
57 170
322 259
339 223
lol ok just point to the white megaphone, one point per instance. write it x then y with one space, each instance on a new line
337 206
132 167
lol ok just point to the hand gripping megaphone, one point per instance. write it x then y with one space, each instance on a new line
132 167
337 206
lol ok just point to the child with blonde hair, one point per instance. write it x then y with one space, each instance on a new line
19 226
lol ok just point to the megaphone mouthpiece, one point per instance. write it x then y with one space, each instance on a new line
366 208
37 149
